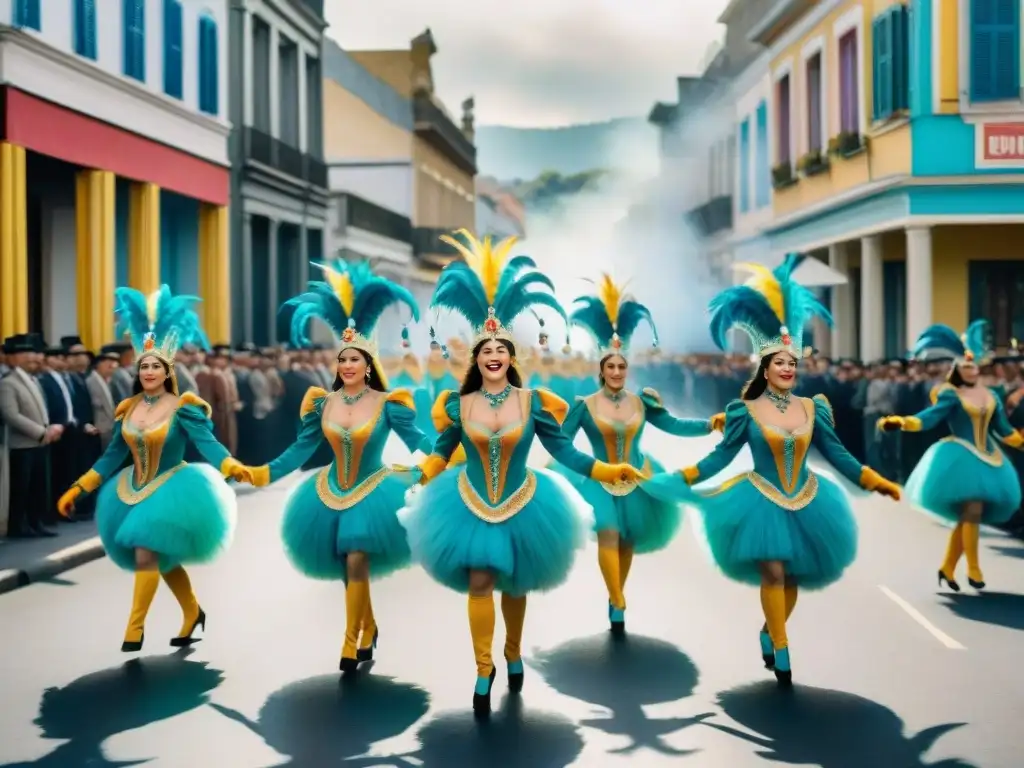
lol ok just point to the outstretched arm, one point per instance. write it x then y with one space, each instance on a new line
400 411
194 417
660 418
733 439
827 441
1001 428
945 400
305 445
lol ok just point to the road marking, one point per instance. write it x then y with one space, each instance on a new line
917 616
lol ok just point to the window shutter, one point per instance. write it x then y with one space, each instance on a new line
885 68
173 48
876 78
900 60
745 165
995 50
89 18
27 14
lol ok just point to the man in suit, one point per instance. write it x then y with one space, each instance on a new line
182 371
59 393
123 380
29 435
98 385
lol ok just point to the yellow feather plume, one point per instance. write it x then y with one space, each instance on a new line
342 287
151 305
763 281
485 259
611 294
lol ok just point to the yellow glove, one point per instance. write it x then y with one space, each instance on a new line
66 503
259 476
890 424
690 474
431 467
717 422
616 473
236 470
870 480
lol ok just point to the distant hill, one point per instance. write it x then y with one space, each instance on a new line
551 189
627 144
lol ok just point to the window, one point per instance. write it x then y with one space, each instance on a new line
815 140
849 84
135 39
891 57
85 28
785 143
173 61
995 50
744 161
762 165
27 15
209 71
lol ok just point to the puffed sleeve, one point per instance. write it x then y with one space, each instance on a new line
734 437
400 411
549 413
447 417
194 417
308 439
113 458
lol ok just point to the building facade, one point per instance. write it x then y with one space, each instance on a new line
443 153
113 161
499 213
279 176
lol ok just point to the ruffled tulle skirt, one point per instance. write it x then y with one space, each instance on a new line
951 473
742 528
188 519
317 537
643 521
533 550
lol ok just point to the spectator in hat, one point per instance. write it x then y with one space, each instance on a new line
100 395
123 379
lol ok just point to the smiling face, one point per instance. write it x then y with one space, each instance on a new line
493 359
613 369
352 367
152 375
969 372
781 372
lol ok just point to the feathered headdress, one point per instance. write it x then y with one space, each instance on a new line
491 290
611 316
158 324
771 308
350 300
972 346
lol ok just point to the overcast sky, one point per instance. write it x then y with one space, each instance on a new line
543 63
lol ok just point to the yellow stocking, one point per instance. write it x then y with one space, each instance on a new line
180 584
608 560
481 628
625 563
773 603
146 583
369 627
357 597
954 549
971 534
792 593
513 610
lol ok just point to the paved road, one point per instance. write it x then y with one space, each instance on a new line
889 672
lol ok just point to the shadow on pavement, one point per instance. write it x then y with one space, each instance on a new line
1017 552
1003 609
93 708
624 675
830 729
324 720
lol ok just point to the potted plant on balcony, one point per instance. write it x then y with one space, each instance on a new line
813 163
847 144
783 176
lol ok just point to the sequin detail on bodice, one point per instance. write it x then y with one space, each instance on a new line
358 449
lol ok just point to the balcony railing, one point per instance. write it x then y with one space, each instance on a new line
426 241
263 148
316 6
438 129
362 214
712 217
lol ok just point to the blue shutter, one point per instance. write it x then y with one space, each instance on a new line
995 50
85 28
209 74
763 194
28 15
745 165
884 67
876 107
900 35
134 15
173 59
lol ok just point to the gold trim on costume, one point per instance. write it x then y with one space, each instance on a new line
332 500
994 459
507 509
795 503
130 495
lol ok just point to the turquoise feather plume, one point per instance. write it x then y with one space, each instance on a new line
942 338
610 314
162 319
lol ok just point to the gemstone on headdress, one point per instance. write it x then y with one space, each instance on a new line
149 343
616 341
491 324
348 334
787 340
968 356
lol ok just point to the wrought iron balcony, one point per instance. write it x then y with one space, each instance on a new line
362 214
263 148
712 217
316 172
435 127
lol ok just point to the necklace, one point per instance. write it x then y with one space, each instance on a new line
353 399
616 398
780 400
150 400
496 401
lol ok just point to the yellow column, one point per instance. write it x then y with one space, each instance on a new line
214 273
13 241
95 265
946 50
144 237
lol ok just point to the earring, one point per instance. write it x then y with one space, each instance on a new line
513 361
367 373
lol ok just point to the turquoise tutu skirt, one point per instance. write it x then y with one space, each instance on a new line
742 528
533 550
317 538
647 523
189 519
951 474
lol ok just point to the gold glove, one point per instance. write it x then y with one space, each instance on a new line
66 503
717 422
616 473
236 470
259 476
690 474
431 467
870 480
890 424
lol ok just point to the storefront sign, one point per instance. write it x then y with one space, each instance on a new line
1000 145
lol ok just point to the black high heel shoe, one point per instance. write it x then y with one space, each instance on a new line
131 646
482 701
366 654
951 583
183 641
348 664
975 584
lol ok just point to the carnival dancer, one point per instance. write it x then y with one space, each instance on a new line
627 520
964 478
780 526
493 523
160 513
341 523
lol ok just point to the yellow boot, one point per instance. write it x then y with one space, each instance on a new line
971 534
368 633
357 596
146 583
513 610
481 628
192 616
954 550
609 562
773 603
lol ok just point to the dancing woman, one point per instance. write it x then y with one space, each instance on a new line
780 526
964 478
627 519
160 513
493 523
340 523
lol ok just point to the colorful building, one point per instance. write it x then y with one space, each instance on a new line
897 145
113 161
